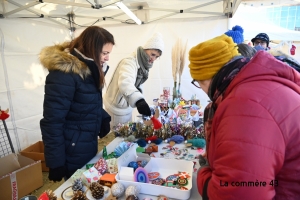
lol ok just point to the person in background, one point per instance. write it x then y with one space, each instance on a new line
237 34
261 42
73 115
252 131
124 92
246 50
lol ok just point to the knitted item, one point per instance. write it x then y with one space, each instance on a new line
208 57
236 33
155 42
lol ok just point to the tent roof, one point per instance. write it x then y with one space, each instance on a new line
104 12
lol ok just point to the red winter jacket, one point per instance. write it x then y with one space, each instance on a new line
254 149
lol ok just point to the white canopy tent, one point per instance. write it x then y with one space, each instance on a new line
27 26
22 77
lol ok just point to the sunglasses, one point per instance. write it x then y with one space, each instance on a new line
196 83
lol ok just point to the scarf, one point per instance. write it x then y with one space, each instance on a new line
143 71
217 89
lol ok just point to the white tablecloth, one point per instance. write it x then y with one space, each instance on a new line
110 148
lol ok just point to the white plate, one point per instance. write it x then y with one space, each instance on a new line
69 189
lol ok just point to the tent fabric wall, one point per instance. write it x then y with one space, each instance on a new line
22 40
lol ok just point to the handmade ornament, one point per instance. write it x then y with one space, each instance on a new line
121 148
133 164
107 179
162 197
79 195
47 195
101 165
197 142
117 190
154 121
293 50
182 182
104 152
140 149
132 190
153 175
132 197
4 114
158 181
97 190
112 165
78 185
90 175
130 138
176 138
151 149
154 139
141 175
142 142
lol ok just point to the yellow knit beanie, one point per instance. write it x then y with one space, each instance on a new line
208 57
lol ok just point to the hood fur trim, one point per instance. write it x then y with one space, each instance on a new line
58 57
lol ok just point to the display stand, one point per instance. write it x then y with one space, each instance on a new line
194 191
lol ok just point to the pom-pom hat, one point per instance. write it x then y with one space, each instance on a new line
261 36
155 42
237 34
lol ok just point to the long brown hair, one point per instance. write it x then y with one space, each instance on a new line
90 43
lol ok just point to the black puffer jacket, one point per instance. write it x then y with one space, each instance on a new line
73 109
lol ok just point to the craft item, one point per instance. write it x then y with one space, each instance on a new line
79 195
182 182
140 149
91 175
183 175
101 165
97 190
47 195
158 181
104 153
142 142
132 190
153 175
152 138
117 189
141 175
4 114
142 163
78 185
133 164
126 173
78 174
112 165
152 149
176 138
121 148
87 166
172 143
132 197
107 179
111 155
130 138
162 197
156 123
197 142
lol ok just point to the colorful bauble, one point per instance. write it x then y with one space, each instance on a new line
117 189
133 164
132 190
141 175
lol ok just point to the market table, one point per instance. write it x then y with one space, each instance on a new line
110 148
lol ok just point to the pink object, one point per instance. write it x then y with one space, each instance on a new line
293 50
101 165
141 175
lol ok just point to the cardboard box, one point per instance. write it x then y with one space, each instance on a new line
19 180
36 152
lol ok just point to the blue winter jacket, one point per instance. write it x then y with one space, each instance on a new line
73 109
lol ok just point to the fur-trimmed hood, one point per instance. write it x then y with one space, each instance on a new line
58 57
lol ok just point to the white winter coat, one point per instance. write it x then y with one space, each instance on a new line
121 94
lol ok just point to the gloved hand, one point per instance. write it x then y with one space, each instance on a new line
105 127
202 161
56 174
143 107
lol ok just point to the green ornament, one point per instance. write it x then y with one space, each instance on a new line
104 153
140 150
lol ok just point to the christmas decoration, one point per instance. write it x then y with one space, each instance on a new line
101 165
4 114
78 185
47 195
104 153
293 50
132 197
132 190
141 175
117 189
79 195
97 190
197 142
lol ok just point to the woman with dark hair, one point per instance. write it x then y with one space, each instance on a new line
73 115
